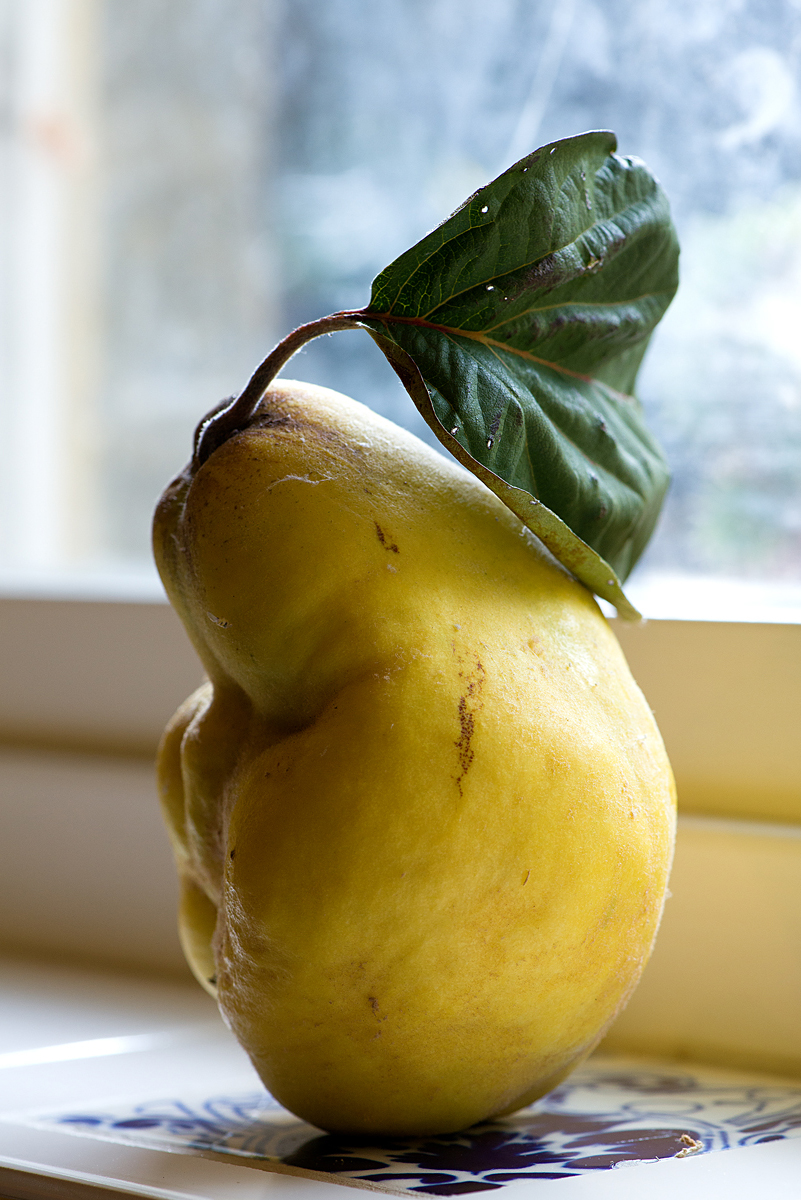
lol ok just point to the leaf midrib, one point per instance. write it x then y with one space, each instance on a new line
492 343
592 462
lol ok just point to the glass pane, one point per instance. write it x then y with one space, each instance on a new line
250 165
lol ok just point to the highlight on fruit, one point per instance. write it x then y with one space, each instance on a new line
422 817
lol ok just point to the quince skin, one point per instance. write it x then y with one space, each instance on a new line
422 815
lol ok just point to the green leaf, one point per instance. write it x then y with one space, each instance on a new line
518 327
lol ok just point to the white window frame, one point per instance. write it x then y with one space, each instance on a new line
104 676
50 308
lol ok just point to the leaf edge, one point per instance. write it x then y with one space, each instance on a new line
584 563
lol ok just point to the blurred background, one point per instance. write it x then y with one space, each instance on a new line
183 181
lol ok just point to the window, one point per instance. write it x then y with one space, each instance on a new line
184 183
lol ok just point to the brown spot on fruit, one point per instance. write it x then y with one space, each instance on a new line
467 725
469 707
371 1000
382 537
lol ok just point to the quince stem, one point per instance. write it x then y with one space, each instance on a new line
235 413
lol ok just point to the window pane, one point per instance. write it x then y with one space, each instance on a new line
249 165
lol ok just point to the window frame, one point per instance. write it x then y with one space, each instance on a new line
104 676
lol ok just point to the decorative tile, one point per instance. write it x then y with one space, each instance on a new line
608 1114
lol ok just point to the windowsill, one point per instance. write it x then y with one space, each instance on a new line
671 596
125 583
105 676
133 1084
659 596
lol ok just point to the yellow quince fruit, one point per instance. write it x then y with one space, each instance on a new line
422 815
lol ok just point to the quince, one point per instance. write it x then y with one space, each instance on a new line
422 815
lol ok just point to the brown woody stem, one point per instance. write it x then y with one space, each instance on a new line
231 418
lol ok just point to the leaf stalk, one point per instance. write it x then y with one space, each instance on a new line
234 415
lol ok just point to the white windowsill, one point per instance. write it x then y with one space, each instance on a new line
671 596
661 596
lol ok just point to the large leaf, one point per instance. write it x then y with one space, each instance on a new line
518 326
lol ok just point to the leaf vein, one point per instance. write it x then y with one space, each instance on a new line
532 263
575 304
594 463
